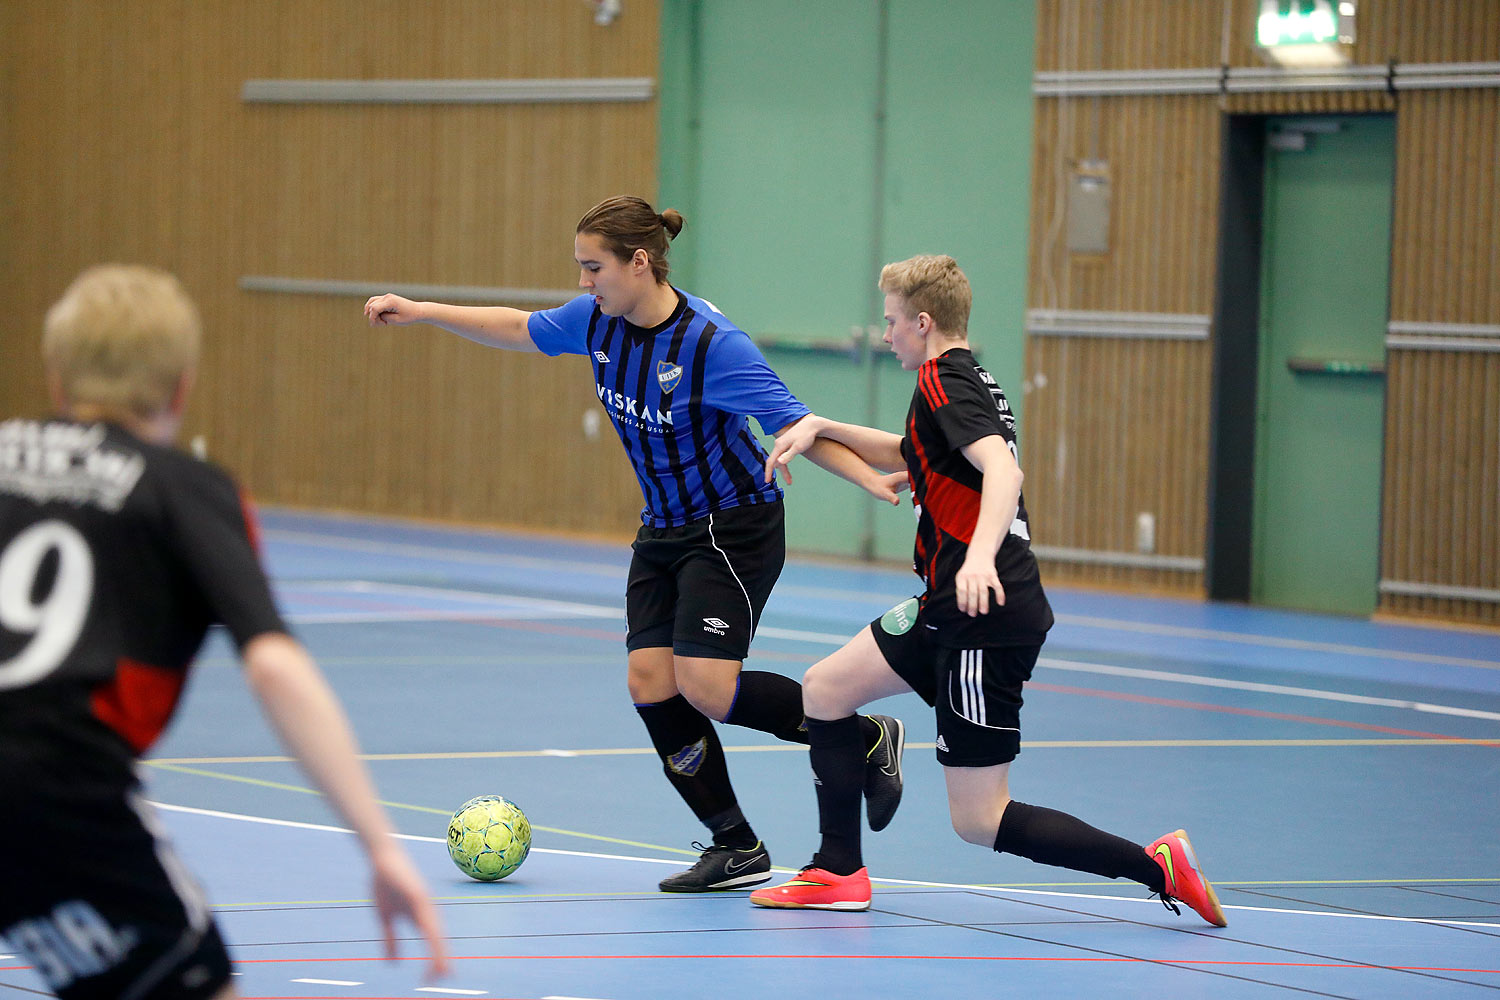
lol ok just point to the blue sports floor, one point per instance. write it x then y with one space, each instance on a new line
1340 780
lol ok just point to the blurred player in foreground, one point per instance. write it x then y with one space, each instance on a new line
117 553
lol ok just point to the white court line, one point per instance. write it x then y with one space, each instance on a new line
828 638
884 881
329 982
1220 682
876 597
436 552
441 989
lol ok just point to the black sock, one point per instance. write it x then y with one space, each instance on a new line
1050 837
771 703
693 760
838 763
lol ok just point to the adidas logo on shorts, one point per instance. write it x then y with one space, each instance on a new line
942 744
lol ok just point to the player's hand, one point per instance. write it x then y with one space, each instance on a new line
888 486
793 441
972 586
399 892
391 310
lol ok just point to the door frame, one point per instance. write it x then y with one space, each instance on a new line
1228 544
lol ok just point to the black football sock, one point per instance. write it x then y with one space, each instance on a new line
693 760
1050 837
770 703
838 763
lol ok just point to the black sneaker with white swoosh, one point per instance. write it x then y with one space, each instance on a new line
722 868
883 772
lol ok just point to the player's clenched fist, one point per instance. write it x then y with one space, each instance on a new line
390 310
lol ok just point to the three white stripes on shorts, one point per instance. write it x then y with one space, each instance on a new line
971 685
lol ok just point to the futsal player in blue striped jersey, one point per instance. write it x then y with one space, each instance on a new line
678 381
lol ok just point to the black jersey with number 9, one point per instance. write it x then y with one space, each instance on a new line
115 558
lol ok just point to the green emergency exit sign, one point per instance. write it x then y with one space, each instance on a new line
1304 22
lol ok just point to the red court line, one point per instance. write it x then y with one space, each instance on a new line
1254 712
919 958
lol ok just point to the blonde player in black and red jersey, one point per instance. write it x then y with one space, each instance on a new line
117 553
964 652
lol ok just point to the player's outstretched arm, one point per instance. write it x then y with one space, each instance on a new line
492 326
312 725
876 448
843 462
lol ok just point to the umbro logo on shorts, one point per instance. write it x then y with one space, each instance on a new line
715 625
601 357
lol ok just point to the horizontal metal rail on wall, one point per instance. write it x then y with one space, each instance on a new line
1263 79
1407 588
1090 83
436 293
1142 326
530 91
1440 76
1135 560
1413 336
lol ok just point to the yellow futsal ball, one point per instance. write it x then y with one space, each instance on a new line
489 837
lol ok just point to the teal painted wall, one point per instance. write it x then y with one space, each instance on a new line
772 146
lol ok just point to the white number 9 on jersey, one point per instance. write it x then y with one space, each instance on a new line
55 622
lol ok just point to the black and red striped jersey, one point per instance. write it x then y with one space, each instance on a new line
956 403
115 558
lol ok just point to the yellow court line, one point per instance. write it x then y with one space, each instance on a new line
914 745
410 808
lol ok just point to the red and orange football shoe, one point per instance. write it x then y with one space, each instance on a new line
1185 882
816 889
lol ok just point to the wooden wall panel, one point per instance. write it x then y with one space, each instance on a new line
129 140
1445 252
1446 31
1127 34
1443 438
1441 504
1163 162
1117 428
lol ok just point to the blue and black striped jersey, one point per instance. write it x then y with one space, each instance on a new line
679 395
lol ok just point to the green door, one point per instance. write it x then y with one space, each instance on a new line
1325 278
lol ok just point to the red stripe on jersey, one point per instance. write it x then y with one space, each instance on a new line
927 561
927 383
138 702
932 385
252 523
954 507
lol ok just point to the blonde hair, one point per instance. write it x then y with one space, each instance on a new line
932 284
121 338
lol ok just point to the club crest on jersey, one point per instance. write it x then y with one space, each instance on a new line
668 375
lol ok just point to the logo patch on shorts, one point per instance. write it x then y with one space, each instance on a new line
687 760
900 619
715 625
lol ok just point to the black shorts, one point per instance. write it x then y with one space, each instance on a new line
96 900
976 692
700 587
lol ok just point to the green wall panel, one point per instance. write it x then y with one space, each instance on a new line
809 142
